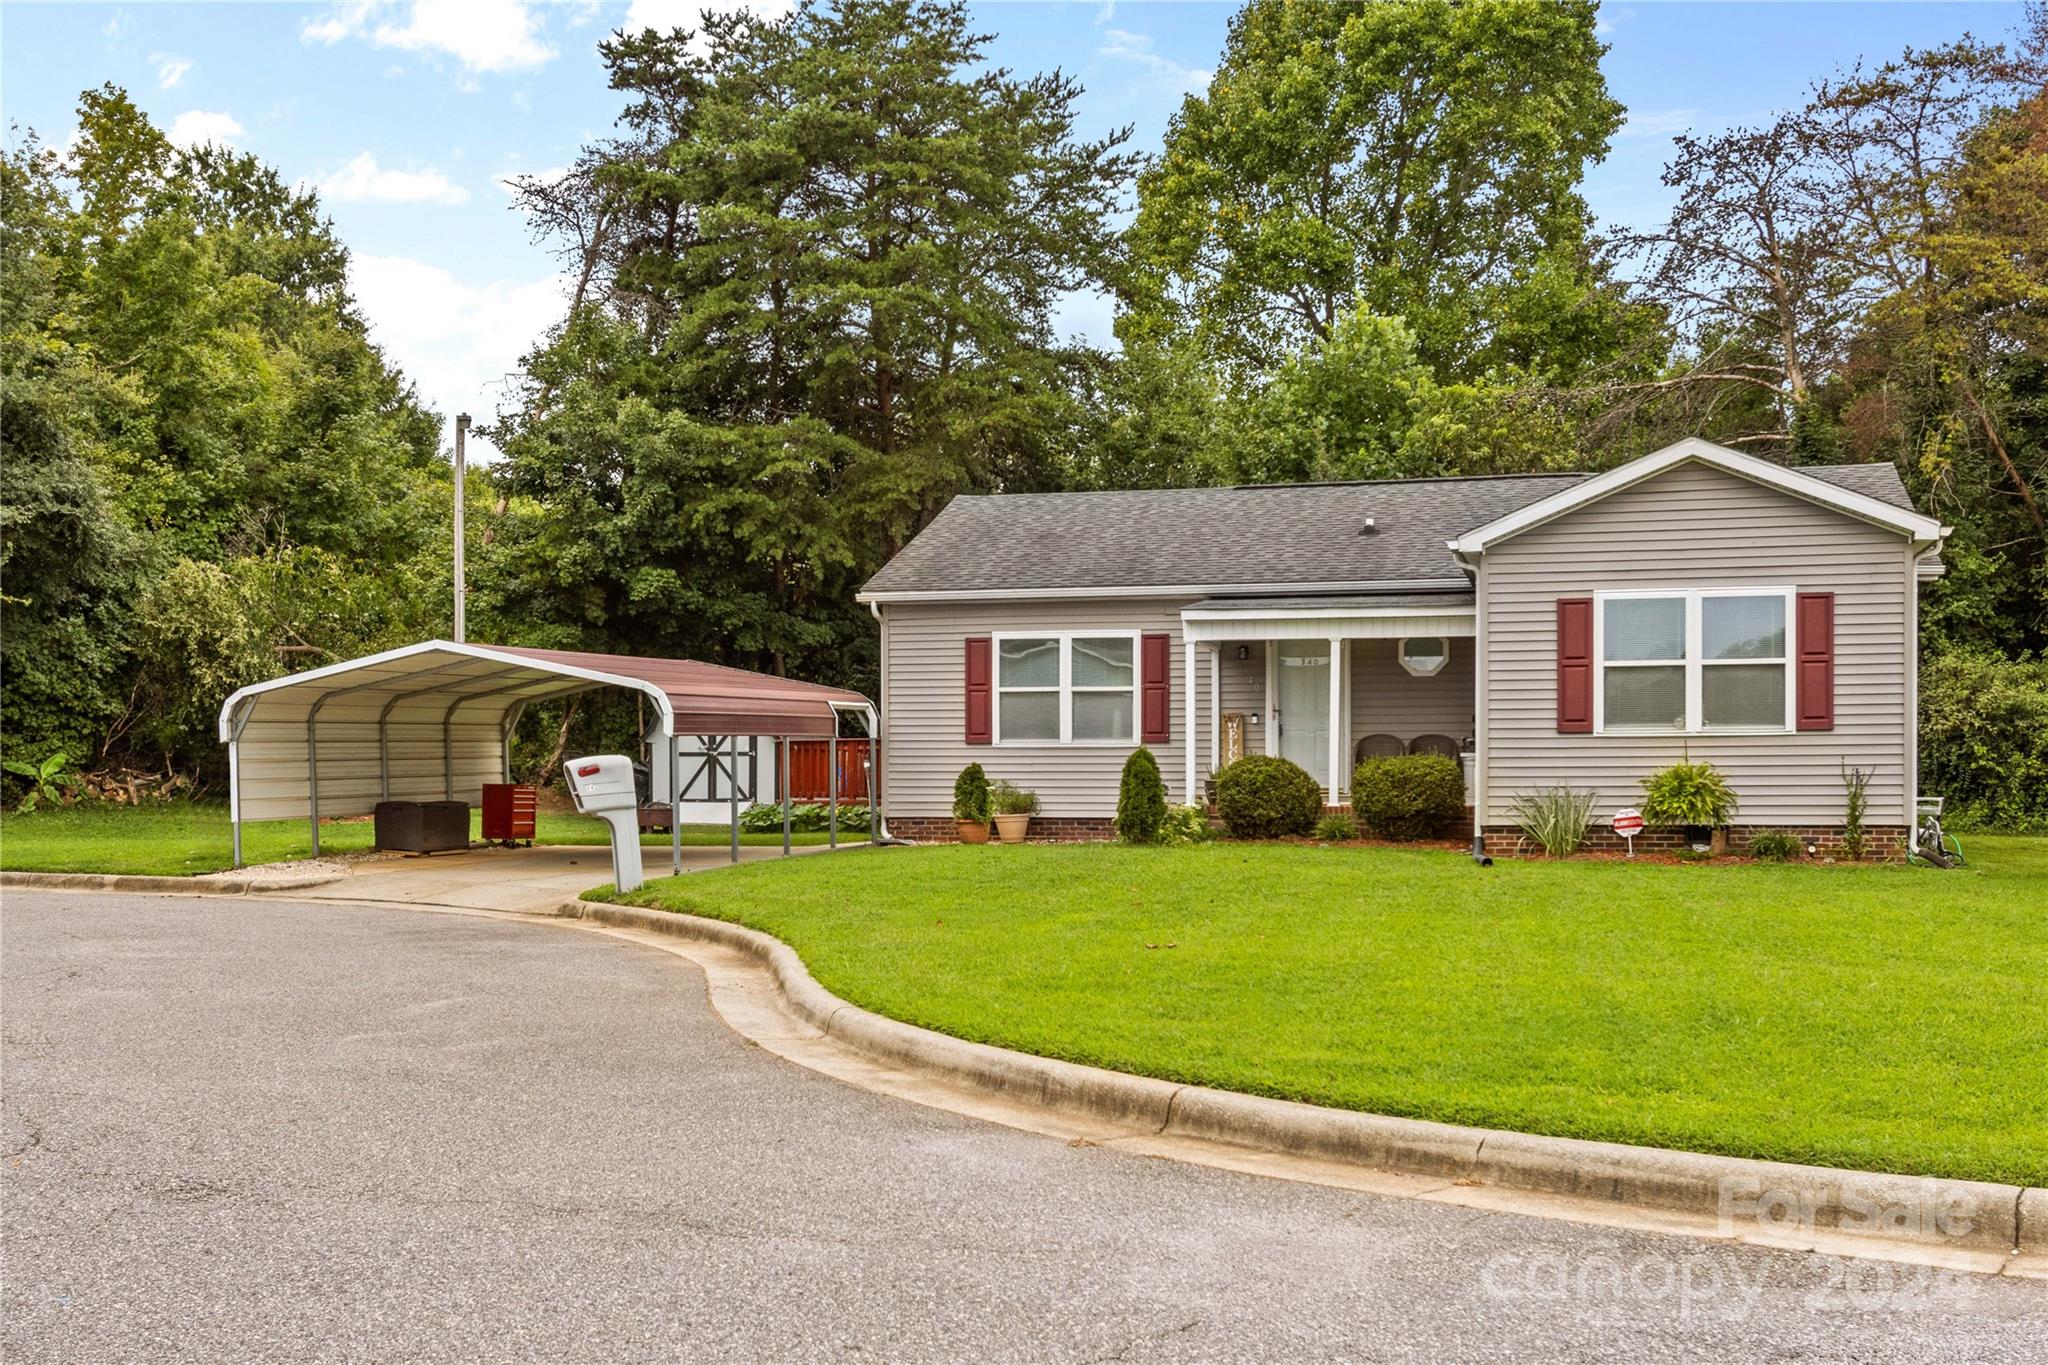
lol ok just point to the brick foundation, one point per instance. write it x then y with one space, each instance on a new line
1045 829
1881 843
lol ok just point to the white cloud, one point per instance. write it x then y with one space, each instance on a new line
459 343
1123 45
197 127
663 15
117 28
169 69
494 36
547 176
363 181
1652 124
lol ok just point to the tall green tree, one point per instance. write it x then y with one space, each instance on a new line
1419 160
817 277
186 394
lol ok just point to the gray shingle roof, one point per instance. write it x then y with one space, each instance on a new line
1274 538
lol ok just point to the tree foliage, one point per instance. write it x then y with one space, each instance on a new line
184 386
819 270
1419 161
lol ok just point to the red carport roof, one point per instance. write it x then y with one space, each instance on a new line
713 699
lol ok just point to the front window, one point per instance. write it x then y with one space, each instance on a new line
1073 689
1698 661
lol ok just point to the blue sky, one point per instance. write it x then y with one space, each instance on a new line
410 115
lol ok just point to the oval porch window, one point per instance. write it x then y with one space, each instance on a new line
1425 655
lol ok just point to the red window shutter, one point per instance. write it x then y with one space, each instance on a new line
980 676
1815 703
1158 663
1575 665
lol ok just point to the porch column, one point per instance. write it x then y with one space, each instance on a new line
1188 730
1336 716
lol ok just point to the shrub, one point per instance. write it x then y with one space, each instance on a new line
1141 799
807 818
1409 796
1984 739
1855 800
970 795
1688 793
1262 797
1006 799
1554 818
1186 825
1336 829
1775 846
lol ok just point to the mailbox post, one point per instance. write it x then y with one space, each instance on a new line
603 786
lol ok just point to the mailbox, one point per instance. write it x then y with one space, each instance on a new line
603 786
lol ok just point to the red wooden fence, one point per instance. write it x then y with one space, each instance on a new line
810 770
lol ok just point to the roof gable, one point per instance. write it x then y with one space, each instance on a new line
1870 493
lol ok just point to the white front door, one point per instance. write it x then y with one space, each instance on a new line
1301 705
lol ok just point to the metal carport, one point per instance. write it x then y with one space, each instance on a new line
434 721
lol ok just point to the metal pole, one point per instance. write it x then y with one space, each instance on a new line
235 794
733 790
675 804
832 783
313 772
782 754
461 436
874 777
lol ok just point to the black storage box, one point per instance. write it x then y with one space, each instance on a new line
422 826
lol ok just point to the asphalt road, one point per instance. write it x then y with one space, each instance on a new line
249 1130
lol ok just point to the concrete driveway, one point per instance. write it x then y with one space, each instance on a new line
516 879
244 1130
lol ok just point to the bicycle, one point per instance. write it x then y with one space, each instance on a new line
1931 844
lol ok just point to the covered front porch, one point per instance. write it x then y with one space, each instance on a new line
1327 681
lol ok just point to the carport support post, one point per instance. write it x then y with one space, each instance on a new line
832 783
782 757
732 768
675 803
313 771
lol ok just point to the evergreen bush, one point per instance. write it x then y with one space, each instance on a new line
1409 796
1261 797
1141 799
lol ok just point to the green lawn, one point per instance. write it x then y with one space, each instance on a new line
1886 1018
184 838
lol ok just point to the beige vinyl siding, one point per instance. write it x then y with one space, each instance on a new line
1696 527
1244 691
1387 699
924 706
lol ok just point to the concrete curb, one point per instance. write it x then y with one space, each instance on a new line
1768 1199
205 884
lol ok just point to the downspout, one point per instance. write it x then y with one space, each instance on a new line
1479 661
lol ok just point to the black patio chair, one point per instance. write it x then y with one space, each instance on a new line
1434 744
1377 746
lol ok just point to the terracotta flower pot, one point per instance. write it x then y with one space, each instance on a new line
1012 828
973 832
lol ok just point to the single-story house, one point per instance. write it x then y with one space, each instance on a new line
1547 628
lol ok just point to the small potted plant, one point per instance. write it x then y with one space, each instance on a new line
1014 808
1694 796
970 804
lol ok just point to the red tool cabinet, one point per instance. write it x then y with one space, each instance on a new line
508 812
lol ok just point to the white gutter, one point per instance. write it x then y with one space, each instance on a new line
870 599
